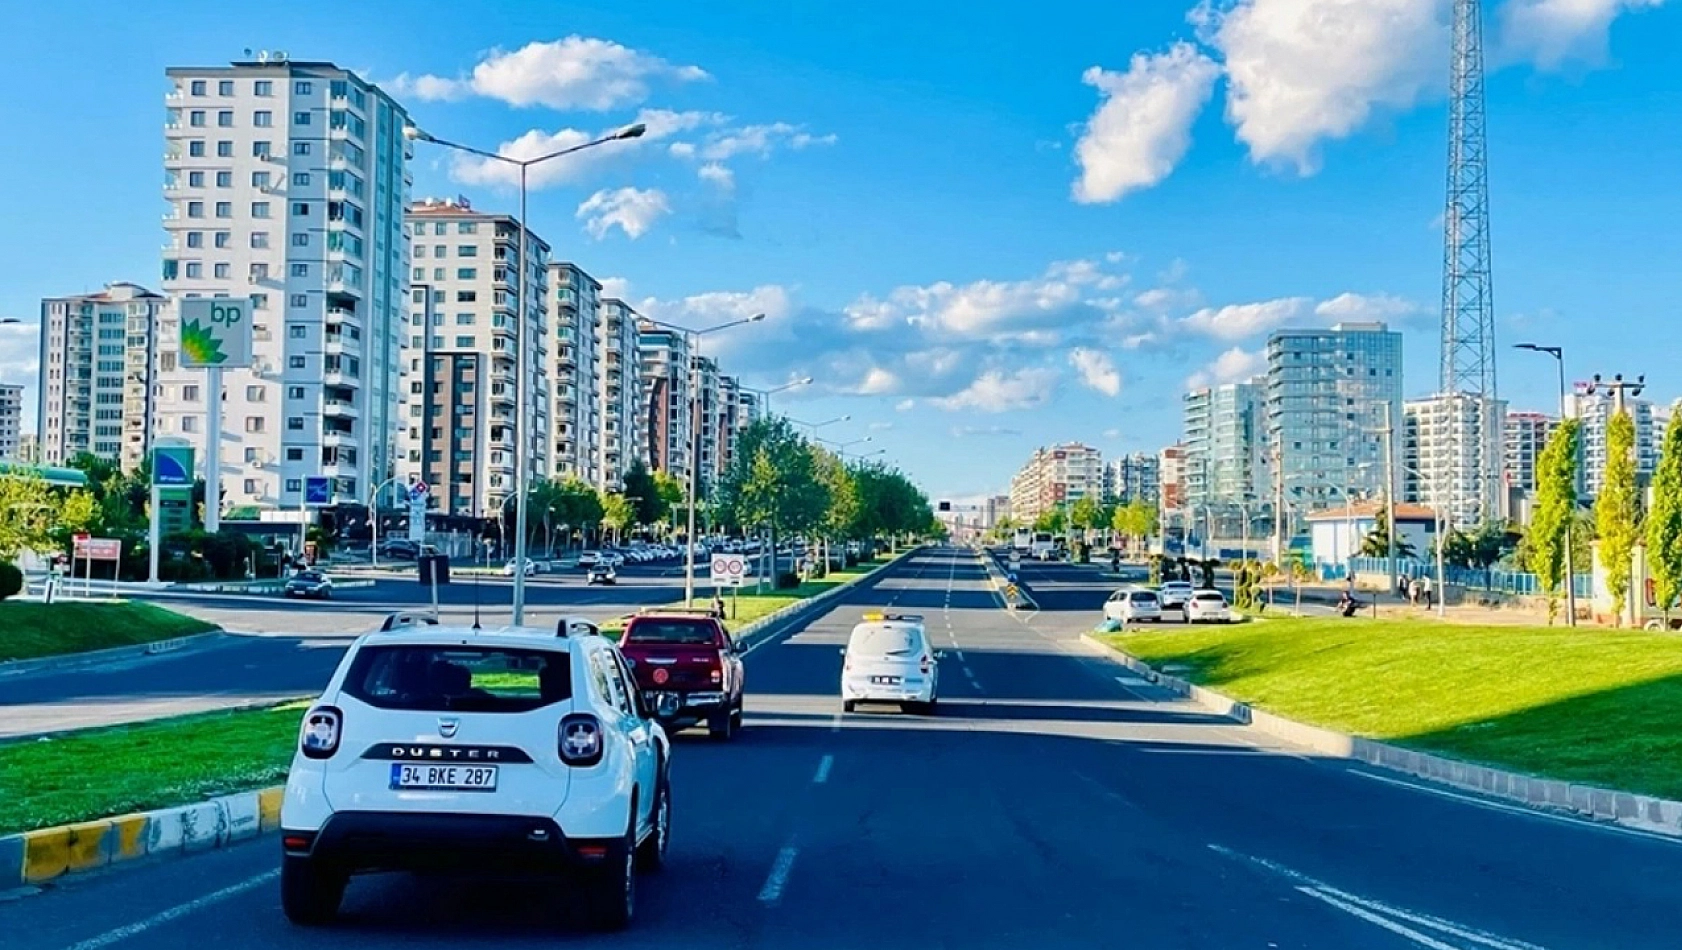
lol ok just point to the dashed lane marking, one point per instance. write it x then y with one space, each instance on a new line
174 913
778 878
824 765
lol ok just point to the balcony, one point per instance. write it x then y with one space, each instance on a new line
338 377
340 409
338 438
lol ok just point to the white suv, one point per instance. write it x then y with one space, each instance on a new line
452 749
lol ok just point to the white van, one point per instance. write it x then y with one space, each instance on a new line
888 660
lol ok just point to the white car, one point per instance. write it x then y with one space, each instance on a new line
1208 606
888 659
1133 605
508 569
1174 594
468 751
589 558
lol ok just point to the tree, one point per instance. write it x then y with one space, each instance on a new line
1377 541
1051 521
1553 526
841 492
617 514
772 481
78 512
1664 522
1085 513
643 493
1617 512
28 512
672 494
1137 519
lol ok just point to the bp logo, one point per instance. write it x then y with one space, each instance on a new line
215 332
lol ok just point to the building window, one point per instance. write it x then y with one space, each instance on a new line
259 209
463 342
420 227
259 239
260 179
295 423
300 270
438 227
195 239
259 272
260 149
464 319
420 250
251 483
189 423
301 239
220 270
295 362
440 250
197 87
294 484
195 179
301 179
262 118
252 454
418 274
466 296
194 270
224 179
467 250
195 118
300 118
300 209
190 393
225 118
224 239
224 149
466 273
195 148
294 455
225 88
301 88
467 227
300 148
262 87
224 209
299 300
438 273
260 302
195 209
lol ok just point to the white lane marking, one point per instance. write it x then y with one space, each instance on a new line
835 723
1526 811
1384 915
824 765
778 878
957 653
180 910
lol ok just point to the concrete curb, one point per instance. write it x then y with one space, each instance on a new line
999 578
68 660
1659 816
265 587
33 857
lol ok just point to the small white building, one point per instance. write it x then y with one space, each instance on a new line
1336 533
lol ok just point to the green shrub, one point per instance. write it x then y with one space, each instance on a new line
11 580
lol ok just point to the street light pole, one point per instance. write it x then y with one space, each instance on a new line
1558 353
522 436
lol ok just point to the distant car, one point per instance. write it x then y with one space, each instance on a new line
601 574
465 751
1174 594
1208 606
399 548
1133 605
888 659
313 584
589 558
531 568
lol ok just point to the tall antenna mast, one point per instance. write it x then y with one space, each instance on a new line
1468 342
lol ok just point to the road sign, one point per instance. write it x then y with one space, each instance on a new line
216 332
318 490
417 512
729 570
98 549
172 466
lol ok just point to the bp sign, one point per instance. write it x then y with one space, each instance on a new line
172 466
216 332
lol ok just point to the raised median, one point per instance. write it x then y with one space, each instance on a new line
33 630
1593 706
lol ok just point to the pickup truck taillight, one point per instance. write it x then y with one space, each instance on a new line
579 739
926 665
318 738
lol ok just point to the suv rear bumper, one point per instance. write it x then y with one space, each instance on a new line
400 841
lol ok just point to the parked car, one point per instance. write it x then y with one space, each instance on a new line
688 668
308 584
1133 605
1208 606
456 750
888 659
1174 594
531 568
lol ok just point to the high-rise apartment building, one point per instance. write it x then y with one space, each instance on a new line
1527 434
1328 393
1055 476
97 365
739 408
994 510
575 381
29 448
463 421
1448 456
666 380
1171 478
1225 441
11 419
622 437
1133 476
710 439
1595 411
287 182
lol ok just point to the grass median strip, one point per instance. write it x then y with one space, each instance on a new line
1603 707
29 630
103 772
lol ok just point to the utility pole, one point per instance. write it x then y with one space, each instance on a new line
1390 494
1279 500
1621 389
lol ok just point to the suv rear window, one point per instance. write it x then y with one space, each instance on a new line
886 641
672 630
460 678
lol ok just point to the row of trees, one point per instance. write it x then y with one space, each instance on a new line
1135 520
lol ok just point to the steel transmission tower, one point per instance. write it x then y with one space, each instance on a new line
1468 342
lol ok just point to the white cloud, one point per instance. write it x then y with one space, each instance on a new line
1165 298
576 72
1357 308
1097 370
905 405
877 382
628 209
880 426
1112 433
717 175
989 308
964 432
20 364
618 288
1233 366
758 139
1300 72
773 300
571 169
1238 321
998 391
1550 32
1142 126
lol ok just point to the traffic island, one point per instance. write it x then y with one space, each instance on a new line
30 631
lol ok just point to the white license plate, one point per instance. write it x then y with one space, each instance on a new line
460 778
884 681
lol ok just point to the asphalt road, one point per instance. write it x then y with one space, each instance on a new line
1054 801
287 648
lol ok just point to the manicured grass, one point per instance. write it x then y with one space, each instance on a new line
105 772
1590 705
32 629
755 605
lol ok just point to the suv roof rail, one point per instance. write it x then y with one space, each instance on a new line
575 627
408 618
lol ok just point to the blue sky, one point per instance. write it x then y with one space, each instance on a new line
981 230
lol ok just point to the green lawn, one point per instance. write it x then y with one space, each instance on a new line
754 605
33 629
1591 705
105 772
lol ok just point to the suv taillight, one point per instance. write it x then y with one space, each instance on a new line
318 738
580 739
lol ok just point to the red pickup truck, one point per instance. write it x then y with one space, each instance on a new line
688 668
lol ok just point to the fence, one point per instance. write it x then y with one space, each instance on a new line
1506 582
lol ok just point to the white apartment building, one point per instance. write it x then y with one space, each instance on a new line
738 409
97 362
11 419
710 440
575 300
1133 476
462 416
1055 476
622 434
1452 456
1595 411
288 182
1527 434
666 379
1226 441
